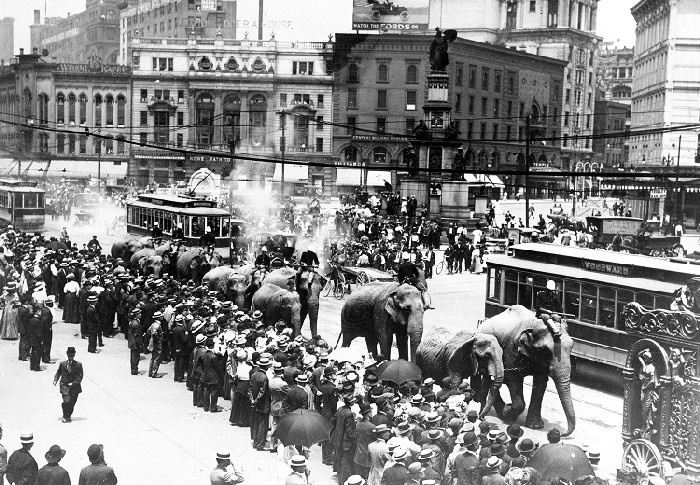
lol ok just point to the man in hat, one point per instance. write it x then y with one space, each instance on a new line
300 474
92 324
21 467
466 467
134 340
515 432
435 458
414 474
343 437
278 393
548 299
83 295
200 348
385 412
97 471
296 397
209 381
553 436
378 452
46 317
397 474
155 344
36 345
329 405
526 448
52 473
70 375
355 480
365 435
491 473
259 395
225 472
180 350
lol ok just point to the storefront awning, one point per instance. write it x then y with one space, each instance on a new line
348 176
11 167
292 173
493 180
86 169
377 178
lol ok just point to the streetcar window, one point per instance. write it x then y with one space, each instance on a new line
525 294
30 201
130 215
3 199
511 291
186 221
663 302
645 299
196 227
167 224
494 285
225 228
572 298
606 307
623 298
18 201
589 303
215 225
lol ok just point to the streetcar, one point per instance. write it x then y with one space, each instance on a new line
595 288
196 214
22 204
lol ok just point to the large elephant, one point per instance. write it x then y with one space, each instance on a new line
227 281
286 278
125 247
252 273
377 311
278 304
192 263
461 355
138 259
537 347
154 265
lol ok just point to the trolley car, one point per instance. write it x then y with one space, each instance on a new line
22 205
195 214
595 288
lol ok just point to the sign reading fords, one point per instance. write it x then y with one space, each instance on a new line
390 15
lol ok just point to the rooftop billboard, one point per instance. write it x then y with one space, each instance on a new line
412 15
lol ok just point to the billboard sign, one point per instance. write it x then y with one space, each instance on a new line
412 15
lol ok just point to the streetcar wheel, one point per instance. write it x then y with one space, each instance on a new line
362 279
645 458
329 286
679 250
339 291
439 267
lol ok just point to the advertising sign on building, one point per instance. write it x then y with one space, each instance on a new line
208 4
410 15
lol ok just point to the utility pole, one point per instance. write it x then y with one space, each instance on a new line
527 171
283 119
232 149
677 188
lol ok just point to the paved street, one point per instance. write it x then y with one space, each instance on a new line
152 434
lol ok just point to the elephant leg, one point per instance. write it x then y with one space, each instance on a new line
303 313
371 341
534 410
499 405
313 318
517 406
347 339
401 342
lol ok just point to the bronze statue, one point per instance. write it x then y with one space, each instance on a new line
649 395
438 49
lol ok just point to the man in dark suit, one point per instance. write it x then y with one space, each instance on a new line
47 328
36 347
365 435
210 377
92 324
296 397
259 395
83 295
343 437
278 392
70 375
329 404
97 471
134 340
180 348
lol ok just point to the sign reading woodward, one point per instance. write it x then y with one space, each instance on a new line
607 268
410 15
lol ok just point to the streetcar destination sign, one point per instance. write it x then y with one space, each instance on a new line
607 268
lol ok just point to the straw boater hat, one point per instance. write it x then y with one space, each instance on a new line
223 454
298 460
26 438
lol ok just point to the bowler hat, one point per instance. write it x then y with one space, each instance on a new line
365 408
554 435
526 446
70 351
470 439
54 454
498 449
514 431
94 452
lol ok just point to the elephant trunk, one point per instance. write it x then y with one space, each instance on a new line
415 333
562 381
496 373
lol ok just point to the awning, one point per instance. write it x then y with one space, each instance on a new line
11 167
493 180
292 173
377 178
87 169
348 176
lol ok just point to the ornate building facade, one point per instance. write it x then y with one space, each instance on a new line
615 71
263 100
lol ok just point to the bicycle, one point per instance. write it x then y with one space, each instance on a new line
336 283
441 266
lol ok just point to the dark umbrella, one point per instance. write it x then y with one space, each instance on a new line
561 460
56 245
303 427
398 371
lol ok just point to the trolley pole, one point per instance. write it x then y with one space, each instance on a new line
527 171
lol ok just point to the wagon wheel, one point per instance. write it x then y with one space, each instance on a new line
644 457
339 290
329 286
362 279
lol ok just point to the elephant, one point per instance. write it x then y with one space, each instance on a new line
252 272
227 281
460 355
286 278
377 311
138 259
540 347
154 265
278 304
125 247
191 264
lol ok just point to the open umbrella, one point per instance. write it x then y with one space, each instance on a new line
561 460
345 354
398 371
303 427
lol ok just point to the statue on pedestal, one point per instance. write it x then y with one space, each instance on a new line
458 165
649 395
438 49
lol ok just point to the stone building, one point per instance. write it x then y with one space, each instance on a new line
616 68
380 90
7 39
54 109
611 153
269 99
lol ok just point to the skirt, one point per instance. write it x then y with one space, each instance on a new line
70 308
240 407
8 323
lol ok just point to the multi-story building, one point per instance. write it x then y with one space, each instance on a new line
268 99
91 34
666 85
51 112
615 70
380 83
7 39
611 152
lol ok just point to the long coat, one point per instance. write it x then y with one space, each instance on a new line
210 368
344 432
364 437
21 468
378 452
74 377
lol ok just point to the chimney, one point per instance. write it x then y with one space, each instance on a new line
37 17
21 51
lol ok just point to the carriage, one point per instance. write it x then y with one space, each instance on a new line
635 236
353 275
661 429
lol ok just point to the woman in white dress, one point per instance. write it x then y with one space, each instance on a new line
8 321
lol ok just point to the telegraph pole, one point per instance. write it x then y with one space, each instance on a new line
677 188
283 114
527 171
232 149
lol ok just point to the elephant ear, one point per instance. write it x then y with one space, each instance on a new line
460 355
392 306
194 262
526 341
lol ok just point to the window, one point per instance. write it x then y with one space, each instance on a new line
353 74
144 118
471 105
351 122
470 130
71 143
179 139
533 5
509 132
143 138
458 103
352 99
319 101
60 108
180 118
60 143
162 63
379 155
497 82
588 122
411 74
71 108
319 123
590 99
381 99
522 110
567 96
484 106
109 108
121 110
590 79
98 110
566 118
497 108
483 131
495 131
83 144
460 75
283 100
120 145
144 95
303 68
484 79
181 96
589 300
319 144
472 76
511 84
411 100
565 140
381 125
383 73
410 124
510 109
83 109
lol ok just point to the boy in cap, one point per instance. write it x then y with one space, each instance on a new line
21 467
70 375
53 473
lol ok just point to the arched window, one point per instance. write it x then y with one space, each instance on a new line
71 108
98 110
121 110
534 113
205 64
204 111
542 159
350 154
469 158
232 118
109 109
231 64
258 65
352 73
60 108
411 74
379 155
258 113
43 109
83 109
110 14
481 160
383 73
301 130
495 161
